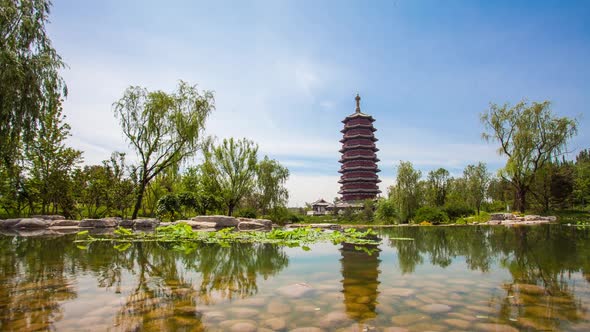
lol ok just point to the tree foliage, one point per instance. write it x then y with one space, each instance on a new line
231 168
477 180
529 136
406 193
163 128
437 185
30 84
270 183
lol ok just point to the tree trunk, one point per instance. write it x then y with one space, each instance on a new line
139 198
520 199
230 209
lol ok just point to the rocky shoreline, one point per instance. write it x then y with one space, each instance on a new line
56 225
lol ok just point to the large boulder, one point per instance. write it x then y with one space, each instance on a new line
100 223
64 223
32 223
49 217
532 217
128 223
220 221
497 216
267 223
246 225
147 222
197 224
9 223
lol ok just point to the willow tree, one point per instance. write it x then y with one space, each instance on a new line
530 135
406 193
163 128
29 84
271 180
477 180
231 167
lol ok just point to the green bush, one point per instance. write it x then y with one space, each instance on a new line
457 210
385 212
247 213
431 214
167 207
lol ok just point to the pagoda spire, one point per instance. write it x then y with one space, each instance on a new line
358 103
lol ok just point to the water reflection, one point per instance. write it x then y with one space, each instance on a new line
360 280
448 278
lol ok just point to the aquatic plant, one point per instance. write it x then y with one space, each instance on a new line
183 233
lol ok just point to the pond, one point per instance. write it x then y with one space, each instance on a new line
447 279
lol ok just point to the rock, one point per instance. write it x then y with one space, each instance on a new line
48 217
147 222
239 325
396 291
334 319
532 217
407 319
435 308
9 223
551 218
307 329
242 312
197 224
267 223
128 223
245 225
322 226
491 327
276 307
295 290
64 223
497 216
100 223
32 223
458 323
220 221
529 289
395 329
276 323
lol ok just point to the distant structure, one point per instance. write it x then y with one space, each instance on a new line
359 162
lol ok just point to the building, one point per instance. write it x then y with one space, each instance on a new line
359 160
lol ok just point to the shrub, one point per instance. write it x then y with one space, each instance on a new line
246 213
167 207
385 212
431 214
457 210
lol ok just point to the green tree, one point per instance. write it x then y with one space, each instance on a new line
385 211
270 183
582 177
437 186
406 193
163 128
231 168
51 164
30 84
477 181
204 188
530 136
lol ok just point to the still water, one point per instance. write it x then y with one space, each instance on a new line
447 279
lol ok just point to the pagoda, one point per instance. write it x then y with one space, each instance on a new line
359 162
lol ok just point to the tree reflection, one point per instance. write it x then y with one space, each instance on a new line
35 277
360 273
544 263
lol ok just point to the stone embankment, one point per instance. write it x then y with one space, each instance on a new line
55 224
511 219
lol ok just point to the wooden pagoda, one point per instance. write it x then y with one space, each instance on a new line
359 160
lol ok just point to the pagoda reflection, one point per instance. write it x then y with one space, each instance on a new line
360 280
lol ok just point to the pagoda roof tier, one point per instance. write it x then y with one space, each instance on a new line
371 137
345 169
363 180
347 128
358 115
372 158
358 146
358 191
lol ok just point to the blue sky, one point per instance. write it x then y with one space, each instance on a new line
285 73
